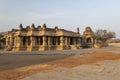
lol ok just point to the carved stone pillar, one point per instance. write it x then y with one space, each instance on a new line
44 40
49 41
92 42
15 42
21 38
56 41
32 40
18 43
10 41
62 41
74 41
26 41
6 42
66 40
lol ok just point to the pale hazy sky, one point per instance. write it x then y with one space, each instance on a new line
67 14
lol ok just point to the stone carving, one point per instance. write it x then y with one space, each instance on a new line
88 37
88 32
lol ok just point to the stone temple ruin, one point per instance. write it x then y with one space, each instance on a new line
42 38
88 38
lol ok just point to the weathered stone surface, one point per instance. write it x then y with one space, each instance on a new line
43 38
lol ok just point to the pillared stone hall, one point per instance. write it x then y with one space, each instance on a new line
40 38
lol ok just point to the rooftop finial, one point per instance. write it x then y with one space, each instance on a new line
33 26
38 26
20 27
44 26
78 31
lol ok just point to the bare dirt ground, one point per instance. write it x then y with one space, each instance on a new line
98 65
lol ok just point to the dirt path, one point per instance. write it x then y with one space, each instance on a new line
11 61
70 62
85 59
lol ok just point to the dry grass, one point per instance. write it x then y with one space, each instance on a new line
114 44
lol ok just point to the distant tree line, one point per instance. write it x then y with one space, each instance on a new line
113 41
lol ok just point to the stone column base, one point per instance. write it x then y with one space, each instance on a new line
73 47
43 48
19 49
60 47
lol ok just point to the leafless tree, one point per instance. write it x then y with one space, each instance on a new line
103 35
